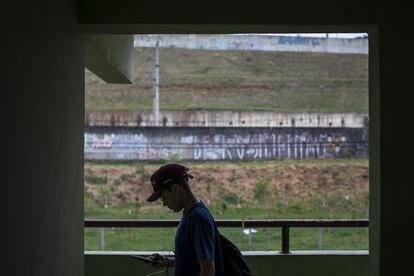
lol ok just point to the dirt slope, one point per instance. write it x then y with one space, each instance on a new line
130 184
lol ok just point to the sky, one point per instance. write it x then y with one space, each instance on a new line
331 35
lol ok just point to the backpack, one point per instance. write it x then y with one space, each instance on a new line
233 263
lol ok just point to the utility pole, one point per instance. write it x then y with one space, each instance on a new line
156 86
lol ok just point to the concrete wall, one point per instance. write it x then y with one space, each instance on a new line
309 263
227 118
225 143
42 172
256 42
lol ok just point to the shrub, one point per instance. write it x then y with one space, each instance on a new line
116 182
145 176
94 179
321 181
230 198
174 157
287 187
127 177
121 195
261 190
295 207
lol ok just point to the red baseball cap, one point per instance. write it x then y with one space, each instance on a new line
165 176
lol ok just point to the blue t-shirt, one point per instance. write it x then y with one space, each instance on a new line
195 241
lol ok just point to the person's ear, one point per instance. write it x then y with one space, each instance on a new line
175 188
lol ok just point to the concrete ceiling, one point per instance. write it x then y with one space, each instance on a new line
110 57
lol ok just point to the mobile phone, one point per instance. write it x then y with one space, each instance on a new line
144 259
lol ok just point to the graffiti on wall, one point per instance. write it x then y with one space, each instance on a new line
266 146
225 146
289 40
110 140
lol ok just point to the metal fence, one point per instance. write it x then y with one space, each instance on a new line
285 225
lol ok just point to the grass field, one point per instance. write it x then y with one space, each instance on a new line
278 190
238 80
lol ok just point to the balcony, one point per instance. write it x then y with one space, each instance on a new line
277 262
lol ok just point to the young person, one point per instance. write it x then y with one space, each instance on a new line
196 242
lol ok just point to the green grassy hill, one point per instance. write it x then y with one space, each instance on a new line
239 80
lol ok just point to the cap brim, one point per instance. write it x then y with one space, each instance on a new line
154 196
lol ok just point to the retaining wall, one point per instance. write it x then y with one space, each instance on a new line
255 42
227 118
223 143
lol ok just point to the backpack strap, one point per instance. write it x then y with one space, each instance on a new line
218 239
219 246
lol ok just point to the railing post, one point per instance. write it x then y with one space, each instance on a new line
320 238
285 240
102 239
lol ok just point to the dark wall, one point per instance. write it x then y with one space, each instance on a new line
396 167
42 90
42 116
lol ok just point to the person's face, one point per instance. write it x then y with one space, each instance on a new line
171 198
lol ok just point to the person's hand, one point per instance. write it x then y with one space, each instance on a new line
158 261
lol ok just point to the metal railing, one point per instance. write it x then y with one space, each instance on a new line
285 225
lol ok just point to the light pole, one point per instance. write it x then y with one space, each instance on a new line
156 86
